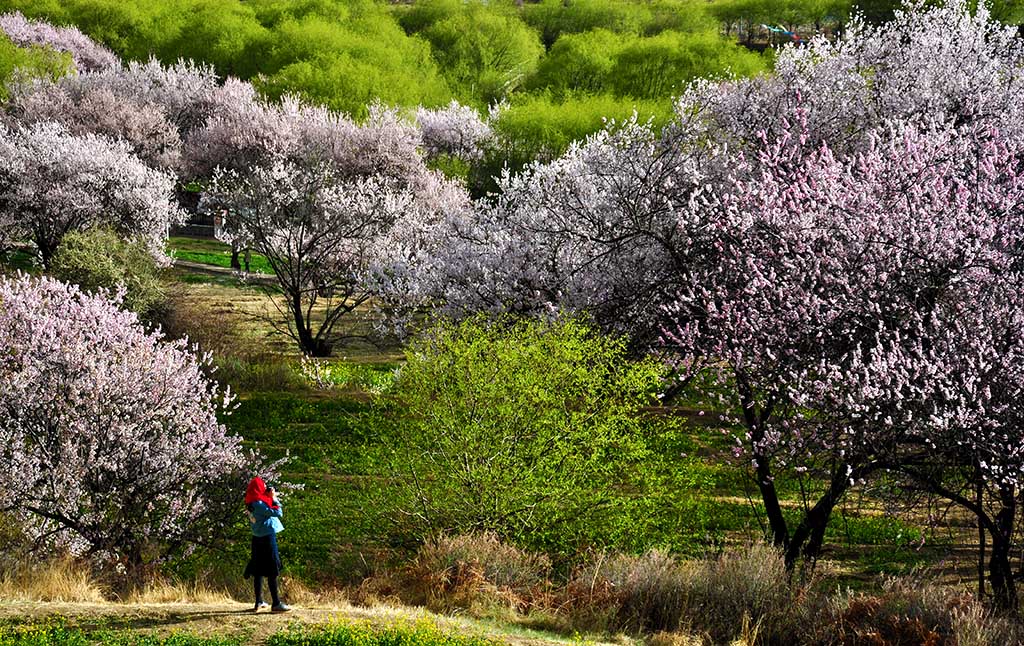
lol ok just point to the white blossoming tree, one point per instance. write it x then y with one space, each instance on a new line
53 182
338 208
87 53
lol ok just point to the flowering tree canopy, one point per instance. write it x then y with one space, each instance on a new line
87 53
150 107
320 236
83 109
455 130
53 182
812 237
109 437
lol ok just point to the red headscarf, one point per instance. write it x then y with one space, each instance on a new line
257 492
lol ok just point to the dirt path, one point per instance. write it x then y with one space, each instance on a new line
235 619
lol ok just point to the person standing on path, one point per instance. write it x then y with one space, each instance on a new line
265 514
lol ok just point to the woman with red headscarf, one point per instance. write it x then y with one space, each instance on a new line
265 519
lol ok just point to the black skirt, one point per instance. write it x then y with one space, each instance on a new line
265 559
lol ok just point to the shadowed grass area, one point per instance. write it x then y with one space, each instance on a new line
17 260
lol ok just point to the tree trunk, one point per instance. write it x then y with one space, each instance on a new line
755 421
235 264
1000 574
772 508
46 253
311 346
809 536
980 501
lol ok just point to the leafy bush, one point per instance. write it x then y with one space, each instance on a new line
690 16
99 259
519 428
482 51
578 63
662 65
541 127
553 18
350 65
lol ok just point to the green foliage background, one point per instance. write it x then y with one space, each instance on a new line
35 62
349 53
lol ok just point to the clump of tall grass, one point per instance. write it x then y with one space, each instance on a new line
909 610
622 592
746 587
479 570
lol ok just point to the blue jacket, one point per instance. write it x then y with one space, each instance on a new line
264 520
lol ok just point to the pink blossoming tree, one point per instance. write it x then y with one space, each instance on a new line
110 438
810 238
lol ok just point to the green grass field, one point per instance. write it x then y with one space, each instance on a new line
696 502
212 252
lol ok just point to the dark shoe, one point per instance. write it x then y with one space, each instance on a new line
280 608
260 605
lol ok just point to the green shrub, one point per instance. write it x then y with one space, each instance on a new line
538 127
33 62
680 15
100 259
578 63
484 52
661 66
519 428
545 128
347 65
644 68
553 18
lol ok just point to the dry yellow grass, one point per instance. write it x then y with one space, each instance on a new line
675 639
168 592
58 580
